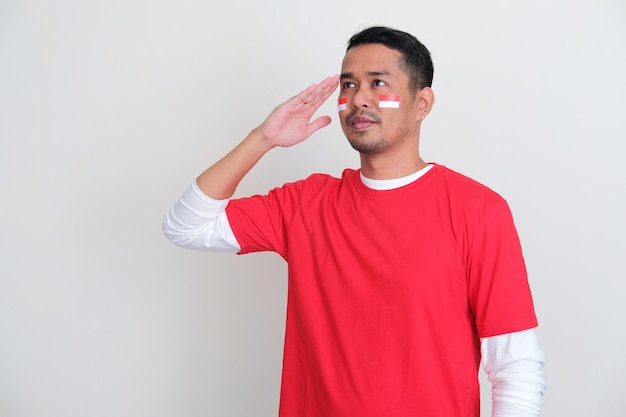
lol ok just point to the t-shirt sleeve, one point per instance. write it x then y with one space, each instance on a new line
259 222
499 292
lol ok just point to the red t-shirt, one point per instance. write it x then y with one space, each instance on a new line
389 291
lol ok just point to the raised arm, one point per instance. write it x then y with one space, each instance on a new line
289 124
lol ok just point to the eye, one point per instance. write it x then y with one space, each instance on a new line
379 83
348 84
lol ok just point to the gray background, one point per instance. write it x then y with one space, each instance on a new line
109 109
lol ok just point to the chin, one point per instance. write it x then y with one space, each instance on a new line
368 147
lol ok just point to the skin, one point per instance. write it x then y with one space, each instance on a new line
387 139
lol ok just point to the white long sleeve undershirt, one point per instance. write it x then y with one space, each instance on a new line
514 362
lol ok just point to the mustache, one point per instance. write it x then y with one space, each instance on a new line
358 113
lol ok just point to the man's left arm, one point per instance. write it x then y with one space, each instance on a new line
514 364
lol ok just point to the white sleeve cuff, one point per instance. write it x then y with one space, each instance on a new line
197 221
514 364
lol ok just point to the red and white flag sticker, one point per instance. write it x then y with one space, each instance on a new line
342 103
389 101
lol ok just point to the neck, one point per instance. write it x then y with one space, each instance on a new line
389 165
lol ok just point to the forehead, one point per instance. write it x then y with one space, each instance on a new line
371 57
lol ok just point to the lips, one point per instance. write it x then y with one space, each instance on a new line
361 122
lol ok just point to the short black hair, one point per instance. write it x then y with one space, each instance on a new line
416 61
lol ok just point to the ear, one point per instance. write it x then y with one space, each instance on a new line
425 99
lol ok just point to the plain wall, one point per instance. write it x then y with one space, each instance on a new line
109 109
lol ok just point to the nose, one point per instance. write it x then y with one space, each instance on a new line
362 99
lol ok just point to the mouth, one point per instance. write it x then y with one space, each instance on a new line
361 122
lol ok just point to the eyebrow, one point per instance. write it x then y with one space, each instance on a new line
369 74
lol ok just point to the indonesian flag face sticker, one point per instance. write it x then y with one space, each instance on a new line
342 103
389 101
385 101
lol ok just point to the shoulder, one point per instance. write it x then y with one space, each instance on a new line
473 201
464 187
300 191
313 183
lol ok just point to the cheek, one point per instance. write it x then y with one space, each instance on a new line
398 122
342 104
342 122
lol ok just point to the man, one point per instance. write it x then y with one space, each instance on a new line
402 274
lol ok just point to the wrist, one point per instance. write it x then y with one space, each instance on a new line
260 140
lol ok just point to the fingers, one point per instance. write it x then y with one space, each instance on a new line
317 94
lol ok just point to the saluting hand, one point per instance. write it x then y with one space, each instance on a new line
290 123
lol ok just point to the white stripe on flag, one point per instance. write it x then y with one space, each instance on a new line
389 104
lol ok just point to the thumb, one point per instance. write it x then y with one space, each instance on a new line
318 124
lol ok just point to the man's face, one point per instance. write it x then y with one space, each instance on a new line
368 72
